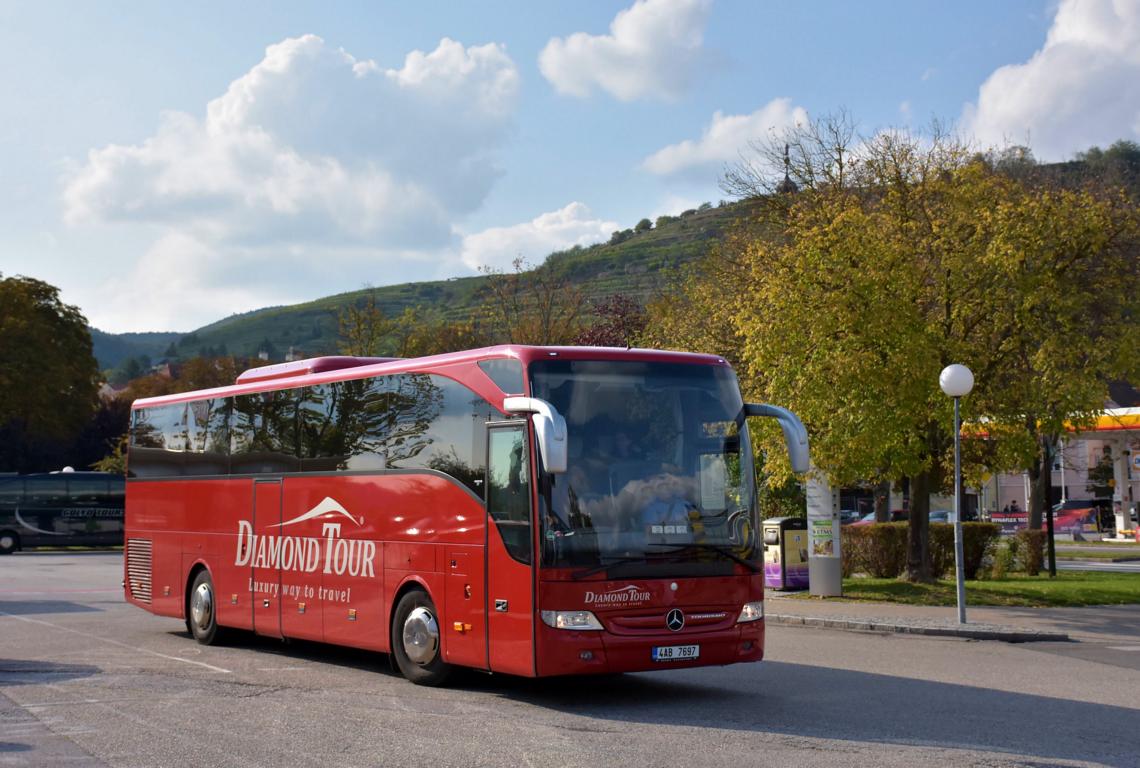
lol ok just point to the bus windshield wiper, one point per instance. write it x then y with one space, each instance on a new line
725 551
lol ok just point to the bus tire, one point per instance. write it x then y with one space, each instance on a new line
416 640
202 610
9 542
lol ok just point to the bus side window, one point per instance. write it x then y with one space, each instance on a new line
263 433
11 493
158 441
508 494
88 492
207 437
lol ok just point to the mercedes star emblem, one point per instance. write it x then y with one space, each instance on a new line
675 620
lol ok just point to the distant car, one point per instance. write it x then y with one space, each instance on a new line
849 516
897 516
941 516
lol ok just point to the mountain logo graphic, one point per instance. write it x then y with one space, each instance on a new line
327 506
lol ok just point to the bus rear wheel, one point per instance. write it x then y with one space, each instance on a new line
9 542
202 616
416 640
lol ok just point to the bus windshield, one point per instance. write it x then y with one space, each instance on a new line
660 476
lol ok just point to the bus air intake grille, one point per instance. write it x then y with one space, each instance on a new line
139 569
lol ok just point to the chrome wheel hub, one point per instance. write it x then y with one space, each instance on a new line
202 606
421 636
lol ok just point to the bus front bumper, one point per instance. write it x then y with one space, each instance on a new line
571 652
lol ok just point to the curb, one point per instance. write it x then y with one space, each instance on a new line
968 631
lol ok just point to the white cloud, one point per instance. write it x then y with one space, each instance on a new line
1081 88
183 282
313 166
723 139
651 53
534 240
174 281
312 143
675 205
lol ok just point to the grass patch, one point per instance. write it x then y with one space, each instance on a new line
1069 589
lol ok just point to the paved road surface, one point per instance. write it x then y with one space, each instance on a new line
87 680
1098 565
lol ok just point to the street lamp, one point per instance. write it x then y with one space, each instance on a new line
957 381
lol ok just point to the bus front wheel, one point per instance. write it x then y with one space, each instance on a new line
9 542
416 640
202 617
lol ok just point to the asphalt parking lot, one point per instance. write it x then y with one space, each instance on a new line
87 680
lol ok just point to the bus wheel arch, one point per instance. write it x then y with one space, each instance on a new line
9 542
202 606
415 636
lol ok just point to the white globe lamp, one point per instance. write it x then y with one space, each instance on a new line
956 380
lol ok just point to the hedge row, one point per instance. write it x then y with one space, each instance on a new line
880 549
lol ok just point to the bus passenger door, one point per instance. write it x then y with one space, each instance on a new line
266 581
510 555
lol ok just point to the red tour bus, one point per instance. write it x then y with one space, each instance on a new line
527 510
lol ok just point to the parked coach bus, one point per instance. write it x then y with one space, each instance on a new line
60 509
527 510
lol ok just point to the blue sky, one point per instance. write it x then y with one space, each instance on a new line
169 164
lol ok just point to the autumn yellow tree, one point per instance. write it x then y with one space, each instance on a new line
915 254
364 328
532 305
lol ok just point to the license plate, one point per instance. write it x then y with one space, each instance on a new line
676 652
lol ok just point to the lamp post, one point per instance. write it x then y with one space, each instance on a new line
957 381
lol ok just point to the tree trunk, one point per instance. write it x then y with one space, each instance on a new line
883 502
1039 477
918 539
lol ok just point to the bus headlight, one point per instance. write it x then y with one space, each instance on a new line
571 620
751 612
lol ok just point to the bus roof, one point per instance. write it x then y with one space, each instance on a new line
325 369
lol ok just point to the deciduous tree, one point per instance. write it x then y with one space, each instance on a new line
48 378
898 256
532 305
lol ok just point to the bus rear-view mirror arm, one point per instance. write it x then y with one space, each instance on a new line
549 428
795 436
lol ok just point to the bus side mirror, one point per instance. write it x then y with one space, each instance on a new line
795 436
549 429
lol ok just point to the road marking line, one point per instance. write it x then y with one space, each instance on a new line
1124 647
115 642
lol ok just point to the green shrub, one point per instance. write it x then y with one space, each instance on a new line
1004 560
1031 548
878 550
941 549
978 539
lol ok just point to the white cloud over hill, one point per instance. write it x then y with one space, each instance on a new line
534 240
312 168
1081 88
722 141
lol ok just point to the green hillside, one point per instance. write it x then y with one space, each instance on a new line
633 267
632 264
110 349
